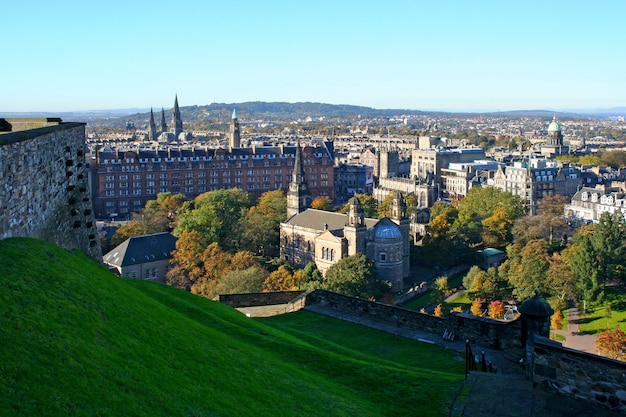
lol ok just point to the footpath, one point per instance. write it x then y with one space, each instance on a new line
506 393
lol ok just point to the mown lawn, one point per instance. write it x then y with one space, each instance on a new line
76 340
599 319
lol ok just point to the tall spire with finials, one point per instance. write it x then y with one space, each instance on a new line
177 121
163 124
235 134
151 127
298 194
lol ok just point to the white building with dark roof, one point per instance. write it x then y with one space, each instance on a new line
143 257
589 203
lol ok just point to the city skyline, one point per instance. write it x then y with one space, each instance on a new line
486 56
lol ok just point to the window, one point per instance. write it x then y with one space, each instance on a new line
383 257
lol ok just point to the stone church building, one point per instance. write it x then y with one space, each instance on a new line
325 237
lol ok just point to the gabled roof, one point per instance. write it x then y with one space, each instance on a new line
316 219
329 236
141 249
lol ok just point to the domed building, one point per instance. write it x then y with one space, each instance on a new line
554 144
324 237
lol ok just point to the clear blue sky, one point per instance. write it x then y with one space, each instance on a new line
451 55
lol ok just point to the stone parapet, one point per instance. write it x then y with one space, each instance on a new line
44 190
592 378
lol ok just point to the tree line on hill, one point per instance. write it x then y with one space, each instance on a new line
228 241
540 255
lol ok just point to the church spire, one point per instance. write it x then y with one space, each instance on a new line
298 194
163 124
177 121
151 127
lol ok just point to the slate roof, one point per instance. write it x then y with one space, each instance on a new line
141 249
316 219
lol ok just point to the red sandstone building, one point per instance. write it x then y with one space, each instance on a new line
125 179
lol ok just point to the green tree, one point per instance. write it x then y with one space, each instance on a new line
561 279
356 275
614 158
240 281
368 203
608 246
581 260
441 288
216 215
440 241
260 227
526 269
482 203
384 207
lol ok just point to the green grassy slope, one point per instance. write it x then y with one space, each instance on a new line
76 340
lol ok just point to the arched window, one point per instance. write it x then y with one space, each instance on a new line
332 254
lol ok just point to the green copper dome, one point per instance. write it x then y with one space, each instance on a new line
554 126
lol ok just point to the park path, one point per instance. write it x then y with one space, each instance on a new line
574 339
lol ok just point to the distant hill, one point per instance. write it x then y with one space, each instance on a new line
217 114
77 340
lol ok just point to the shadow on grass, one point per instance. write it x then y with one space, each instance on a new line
585 320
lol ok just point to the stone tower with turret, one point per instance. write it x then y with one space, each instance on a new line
389 161
235 134
177 121
399 216
298 196
355 230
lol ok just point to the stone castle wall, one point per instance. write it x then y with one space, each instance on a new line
581 375
258 299
572 373
478 330
44 190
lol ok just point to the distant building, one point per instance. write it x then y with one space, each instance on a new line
125 179
589 203
235 133
536 179
554 145
458 178
162 134
490 258
143 257
353 179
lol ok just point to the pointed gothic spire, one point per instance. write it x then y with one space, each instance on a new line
298 194
177 121
297 175
163 124
234 114
151 127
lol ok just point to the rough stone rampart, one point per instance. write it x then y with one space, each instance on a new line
581 375
44 190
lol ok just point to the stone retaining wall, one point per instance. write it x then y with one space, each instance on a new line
581 375
44 190
481 331
258 299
